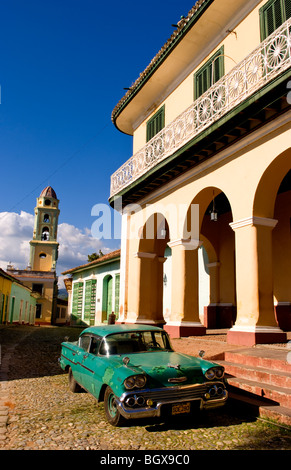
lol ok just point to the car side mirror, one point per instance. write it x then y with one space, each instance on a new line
201 353
125 360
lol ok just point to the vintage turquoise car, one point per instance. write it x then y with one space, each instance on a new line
134 370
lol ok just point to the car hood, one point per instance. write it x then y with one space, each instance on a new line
162 366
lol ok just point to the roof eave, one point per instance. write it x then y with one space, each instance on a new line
93 264
201 6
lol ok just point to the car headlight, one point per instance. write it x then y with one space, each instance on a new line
219 373
129 383
140 381
210 374
214 373
137 381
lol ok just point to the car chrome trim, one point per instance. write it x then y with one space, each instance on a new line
87 368
155 411
168 396
176 380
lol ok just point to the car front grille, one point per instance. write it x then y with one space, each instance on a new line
171 394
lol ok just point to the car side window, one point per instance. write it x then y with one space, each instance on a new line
94 346
84 342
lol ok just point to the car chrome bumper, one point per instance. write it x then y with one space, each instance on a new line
169 397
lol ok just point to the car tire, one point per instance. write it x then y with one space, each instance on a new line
112 414
73 385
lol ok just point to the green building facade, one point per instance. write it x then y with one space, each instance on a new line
93 290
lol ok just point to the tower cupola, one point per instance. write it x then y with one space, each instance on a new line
44 245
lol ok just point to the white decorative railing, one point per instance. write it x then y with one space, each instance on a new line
267 61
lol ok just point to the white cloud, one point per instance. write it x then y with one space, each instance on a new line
74 244
15 233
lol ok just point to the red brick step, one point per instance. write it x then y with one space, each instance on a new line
279 395
261 378
263 408
259 374
275 359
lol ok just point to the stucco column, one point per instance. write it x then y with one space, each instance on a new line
255 321
184 319
150 289
123 289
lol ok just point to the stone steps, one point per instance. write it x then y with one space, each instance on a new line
261 379
259 374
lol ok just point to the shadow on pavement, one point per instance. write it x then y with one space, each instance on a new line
35 349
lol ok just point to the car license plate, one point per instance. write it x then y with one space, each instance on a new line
181 408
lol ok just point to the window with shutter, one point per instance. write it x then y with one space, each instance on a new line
156 123
90 300
117 288
93 301
87 306
77 302
209 73
272 15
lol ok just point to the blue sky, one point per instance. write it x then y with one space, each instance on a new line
63 67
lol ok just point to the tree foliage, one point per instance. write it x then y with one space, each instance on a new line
95 256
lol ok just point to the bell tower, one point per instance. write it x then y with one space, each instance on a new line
44 245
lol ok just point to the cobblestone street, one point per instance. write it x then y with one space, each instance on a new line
37 410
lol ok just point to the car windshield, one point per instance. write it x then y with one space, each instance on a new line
135 342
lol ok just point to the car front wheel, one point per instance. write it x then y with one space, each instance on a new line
112 414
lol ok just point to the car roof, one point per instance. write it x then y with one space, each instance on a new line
104 330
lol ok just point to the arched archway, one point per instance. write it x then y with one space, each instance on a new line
259 265
269 184
45 234
272 202
218 243
151 253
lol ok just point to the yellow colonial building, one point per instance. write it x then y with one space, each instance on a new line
5 291
17 301
206 196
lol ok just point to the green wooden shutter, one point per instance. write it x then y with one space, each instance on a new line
75 299
202 82
209 73
77 302
12 309
109 296
80 300
90 301
272 15
117 289
87 306
156 123
93 301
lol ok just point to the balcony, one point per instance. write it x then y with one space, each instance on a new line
260 68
